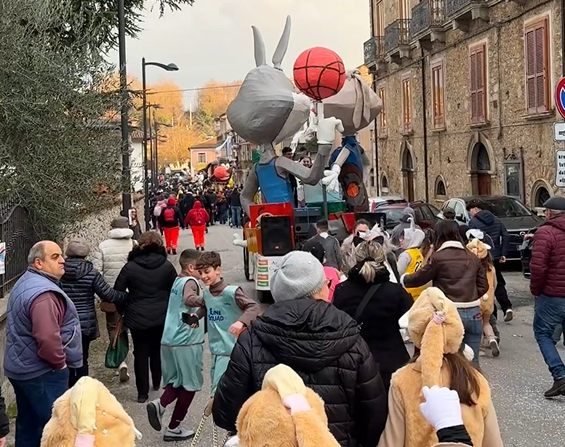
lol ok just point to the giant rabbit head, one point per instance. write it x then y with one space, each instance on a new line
356 104
267 108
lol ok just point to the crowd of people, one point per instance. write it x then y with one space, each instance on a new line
342 320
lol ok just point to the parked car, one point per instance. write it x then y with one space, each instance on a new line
426 214
517 218
375 202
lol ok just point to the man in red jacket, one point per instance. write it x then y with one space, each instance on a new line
547 284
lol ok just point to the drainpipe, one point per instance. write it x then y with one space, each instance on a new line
425 122
376 137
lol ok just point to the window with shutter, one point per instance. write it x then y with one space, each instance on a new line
477 62
378 18
406 105
536 62
438 102
382 115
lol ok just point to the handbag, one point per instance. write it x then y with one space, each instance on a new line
118 350
363 304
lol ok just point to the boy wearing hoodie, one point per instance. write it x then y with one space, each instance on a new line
182 350
411 259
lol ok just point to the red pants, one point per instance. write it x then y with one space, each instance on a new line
172 237
198 233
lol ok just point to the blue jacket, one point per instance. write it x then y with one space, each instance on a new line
489 224
21 360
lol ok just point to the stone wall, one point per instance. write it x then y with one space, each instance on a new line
93 229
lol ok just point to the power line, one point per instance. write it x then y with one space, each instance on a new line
195 89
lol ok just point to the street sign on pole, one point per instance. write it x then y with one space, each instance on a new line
560 169
559 131
560 97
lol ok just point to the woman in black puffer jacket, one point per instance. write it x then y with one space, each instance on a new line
321 343
148 277
81 282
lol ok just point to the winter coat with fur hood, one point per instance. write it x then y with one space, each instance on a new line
148 277
112 254
323 345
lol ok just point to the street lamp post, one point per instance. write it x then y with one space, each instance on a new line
168 67
126 169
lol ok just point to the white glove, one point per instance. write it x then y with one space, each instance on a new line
442 408
327 128
331 179
238 241
232 442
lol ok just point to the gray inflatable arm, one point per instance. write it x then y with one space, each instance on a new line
249 190
308 176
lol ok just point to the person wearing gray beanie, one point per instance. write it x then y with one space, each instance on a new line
299 275
77 248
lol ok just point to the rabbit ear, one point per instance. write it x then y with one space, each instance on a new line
283 45
260 57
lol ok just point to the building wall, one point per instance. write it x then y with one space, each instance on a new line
195 164
509 133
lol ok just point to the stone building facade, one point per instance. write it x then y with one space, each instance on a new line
468 93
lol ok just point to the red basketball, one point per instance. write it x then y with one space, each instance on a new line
319 73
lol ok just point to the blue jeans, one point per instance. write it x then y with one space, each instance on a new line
473 325
236 216
34 400
549 313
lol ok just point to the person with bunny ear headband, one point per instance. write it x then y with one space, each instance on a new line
436 329
481 250
88 415
266 110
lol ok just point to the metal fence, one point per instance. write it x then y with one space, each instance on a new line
18 233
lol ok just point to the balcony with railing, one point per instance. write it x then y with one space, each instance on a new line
427 21
464 11
374 51
397 40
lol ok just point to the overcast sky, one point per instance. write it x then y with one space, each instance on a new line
213 38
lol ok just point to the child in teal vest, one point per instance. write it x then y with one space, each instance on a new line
182 349
228 311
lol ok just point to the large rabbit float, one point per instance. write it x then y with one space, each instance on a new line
356 106
267 110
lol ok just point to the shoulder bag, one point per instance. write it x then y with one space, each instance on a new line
363 304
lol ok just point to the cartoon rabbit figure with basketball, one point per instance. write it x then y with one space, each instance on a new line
268 110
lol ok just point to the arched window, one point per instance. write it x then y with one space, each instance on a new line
441 190
384 184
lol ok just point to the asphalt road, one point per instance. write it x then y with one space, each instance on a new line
518 377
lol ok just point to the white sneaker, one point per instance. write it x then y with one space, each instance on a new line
123 373
178 434
232 442
155 412
508 315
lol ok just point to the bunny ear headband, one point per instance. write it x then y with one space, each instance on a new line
474 233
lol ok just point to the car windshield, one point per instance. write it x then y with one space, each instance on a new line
393 217
508 207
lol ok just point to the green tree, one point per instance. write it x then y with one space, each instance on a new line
59 145
98 19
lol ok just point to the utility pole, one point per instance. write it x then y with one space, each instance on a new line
126 168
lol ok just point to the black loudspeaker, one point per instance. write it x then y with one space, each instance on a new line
276 235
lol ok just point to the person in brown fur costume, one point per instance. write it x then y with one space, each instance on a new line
88 415
285 413
436 329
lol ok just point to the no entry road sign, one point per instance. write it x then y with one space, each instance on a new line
560 97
